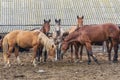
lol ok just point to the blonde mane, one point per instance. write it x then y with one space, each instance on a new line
48 43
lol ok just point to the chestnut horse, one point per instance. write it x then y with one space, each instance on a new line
25 39
76 44
94 33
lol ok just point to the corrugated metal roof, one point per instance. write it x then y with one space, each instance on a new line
27 12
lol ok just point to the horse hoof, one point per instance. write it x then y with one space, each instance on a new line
89 63
7 66
80 61
22 64
4 66
35 65
70 61
77 61
115 61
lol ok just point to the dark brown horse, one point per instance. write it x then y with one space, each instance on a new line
89 34
45 29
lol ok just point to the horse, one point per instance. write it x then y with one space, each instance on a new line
25 39
59 34
45 29
89 34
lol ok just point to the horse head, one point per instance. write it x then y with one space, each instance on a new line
80 21
46 26
64 46
58 30
52 53
57 25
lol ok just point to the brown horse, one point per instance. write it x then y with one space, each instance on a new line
25 39
76 44
45 29
94 33
46 26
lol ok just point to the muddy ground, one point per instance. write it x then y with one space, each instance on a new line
61 70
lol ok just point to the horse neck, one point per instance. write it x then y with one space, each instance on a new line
79 25
72 36
47 43
45 39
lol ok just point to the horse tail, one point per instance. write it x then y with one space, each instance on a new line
5 47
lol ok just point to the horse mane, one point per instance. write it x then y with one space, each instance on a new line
45 41
71 36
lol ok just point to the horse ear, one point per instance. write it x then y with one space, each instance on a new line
82 17
49 20
55 20
59 20
77 17
44 20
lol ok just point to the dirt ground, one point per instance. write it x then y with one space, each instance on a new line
60 70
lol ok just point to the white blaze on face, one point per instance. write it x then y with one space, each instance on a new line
57 28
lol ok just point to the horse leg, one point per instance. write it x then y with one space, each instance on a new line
58 52
81 51
90 53
89 59
115 58
58 57
109 48
7 56
34 55
45 56
17 55
76 52
71 53
40 53
103 47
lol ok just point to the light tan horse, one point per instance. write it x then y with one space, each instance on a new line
48 44
24 39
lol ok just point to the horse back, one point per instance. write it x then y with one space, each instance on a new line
27 39
99 32
112 30
73 28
